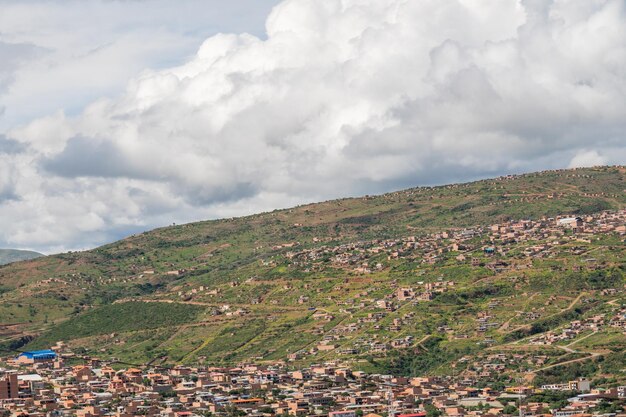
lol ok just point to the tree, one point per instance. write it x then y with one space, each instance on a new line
432 411
233 411
509 409
608 407
558 404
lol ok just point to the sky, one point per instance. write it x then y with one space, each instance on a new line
118 116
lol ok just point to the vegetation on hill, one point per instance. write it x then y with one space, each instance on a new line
320 282
121 318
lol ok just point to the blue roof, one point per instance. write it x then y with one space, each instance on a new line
40 354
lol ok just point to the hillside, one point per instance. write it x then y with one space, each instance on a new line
13 255
412 282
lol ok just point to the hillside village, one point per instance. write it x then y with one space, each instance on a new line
493 296
501 236
335 387
525 241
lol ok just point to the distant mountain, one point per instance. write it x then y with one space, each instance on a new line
13 255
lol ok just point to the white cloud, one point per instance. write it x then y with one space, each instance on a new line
587 159
343 97
80 50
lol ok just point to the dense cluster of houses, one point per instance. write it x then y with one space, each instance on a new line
538 237
43 384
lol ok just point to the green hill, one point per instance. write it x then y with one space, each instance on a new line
12 255
412 282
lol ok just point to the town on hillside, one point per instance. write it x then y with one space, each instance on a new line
45 383
511 298
61 382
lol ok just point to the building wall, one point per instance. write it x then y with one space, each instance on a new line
8 387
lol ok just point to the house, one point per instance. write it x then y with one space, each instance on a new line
578 385
8 387
404 294
342 414
82 373
90 411
36 356
570 222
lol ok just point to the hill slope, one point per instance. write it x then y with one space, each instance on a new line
410 282
13 255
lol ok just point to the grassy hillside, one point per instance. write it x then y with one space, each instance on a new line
273 286
114 318
12 255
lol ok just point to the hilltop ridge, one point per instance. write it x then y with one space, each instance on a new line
14 255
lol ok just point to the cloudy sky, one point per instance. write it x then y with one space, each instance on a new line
120 116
